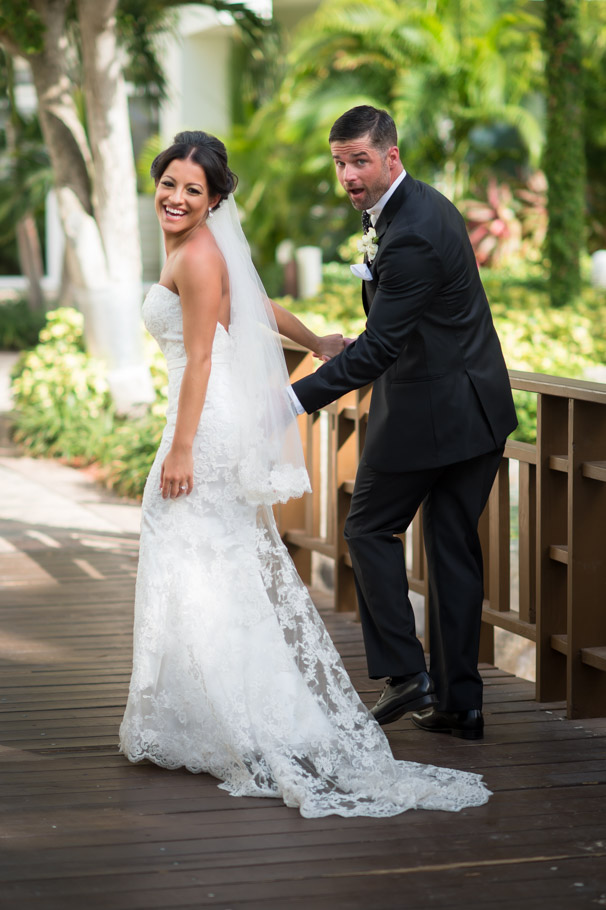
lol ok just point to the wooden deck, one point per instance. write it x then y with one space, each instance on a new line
83 829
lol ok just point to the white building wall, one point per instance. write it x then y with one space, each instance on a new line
198 71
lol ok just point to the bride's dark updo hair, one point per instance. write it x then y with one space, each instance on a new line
207 151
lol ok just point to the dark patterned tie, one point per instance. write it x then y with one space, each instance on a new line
365 221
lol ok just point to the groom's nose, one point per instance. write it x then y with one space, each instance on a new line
348 174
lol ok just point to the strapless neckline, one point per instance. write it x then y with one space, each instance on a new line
157 284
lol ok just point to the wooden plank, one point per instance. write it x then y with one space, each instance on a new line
84 827
594 657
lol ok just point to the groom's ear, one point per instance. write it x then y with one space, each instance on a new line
393 156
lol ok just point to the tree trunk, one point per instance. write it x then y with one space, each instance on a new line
30 260
103 259
117 308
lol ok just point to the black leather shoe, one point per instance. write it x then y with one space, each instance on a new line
397 699
466 724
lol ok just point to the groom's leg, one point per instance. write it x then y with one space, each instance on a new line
451 513
384 505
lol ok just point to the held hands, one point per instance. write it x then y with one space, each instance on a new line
328 346
177 473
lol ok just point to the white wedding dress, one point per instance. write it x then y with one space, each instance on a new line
234 673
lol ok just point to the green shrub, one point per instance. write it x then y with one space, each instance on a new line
128 452
19 326
62 401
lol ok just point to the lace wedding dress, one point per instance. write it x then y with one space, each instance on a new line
234 673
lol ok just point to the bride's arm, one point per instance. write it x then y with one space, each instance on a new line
290 326
200 302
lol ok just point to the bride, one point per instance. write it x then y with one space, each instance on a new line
234 673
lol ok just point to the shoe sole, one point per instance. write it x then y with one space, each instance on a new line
461 734
425 701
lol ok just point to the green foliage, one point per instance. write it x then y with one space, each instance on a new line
62 401
337 307
63 408
564 151
19 326
22 24
128 454
458 79
593 30
151 149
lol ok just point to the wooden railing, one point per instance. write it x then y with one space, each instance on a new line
550 498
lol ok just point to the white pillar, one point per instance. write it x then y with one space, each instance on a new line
309 270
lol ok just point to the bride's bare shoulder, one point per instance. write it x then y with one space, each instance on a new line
201 254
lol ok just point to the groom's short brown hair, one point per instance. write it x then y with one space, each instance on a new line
363 120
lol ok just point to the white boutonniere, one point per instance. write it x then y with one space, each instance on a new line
368 244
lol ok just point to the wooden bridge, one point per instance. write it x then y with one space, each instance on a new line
82 829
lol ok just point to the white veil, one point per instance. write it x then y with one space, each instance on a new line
271 464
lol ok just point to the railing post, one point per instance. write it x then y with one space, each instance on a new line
552 443
345 465
527 535
586 590
297 513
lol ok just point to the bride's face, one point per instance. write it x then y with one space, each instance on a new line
182 199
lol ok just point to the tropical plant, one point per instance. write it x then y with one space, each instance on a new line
458 78
507 222
494 228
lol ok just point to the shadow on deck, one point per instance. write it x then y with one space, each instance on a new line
82 828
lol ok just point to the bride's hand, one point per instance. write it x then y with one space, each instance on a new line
330 345
177 474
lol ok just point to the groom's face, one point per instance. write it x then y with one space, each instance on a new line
364 171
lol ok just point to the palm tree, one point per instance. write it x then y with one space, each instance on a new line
458 76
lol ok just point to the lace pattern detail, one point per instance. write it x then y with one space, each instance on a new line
234 673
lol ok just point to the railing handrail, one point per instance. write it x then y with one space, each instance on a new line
560 386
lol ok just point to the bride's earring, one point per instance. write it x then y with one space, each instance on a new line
210 212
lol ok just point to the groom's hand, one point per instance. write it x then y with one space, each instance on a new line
331 345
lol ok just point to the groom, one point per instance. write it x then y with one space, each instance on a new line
440 412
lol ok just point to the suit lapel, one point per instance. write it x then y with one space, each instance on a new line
392 207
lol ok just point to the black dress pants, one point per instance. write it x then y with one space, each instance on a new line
383 505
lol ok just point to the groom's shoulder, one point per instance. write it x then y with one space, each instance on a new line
418 192
422 205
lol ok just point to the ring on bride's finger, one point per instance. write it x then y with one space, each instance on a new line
183 488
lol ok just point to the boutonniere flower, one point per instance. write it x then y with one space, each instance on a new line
369 244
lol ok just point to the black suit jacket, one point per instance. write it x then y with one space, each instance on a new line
441 391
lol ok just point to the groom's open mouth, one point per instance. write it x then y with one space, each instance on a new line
356 193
